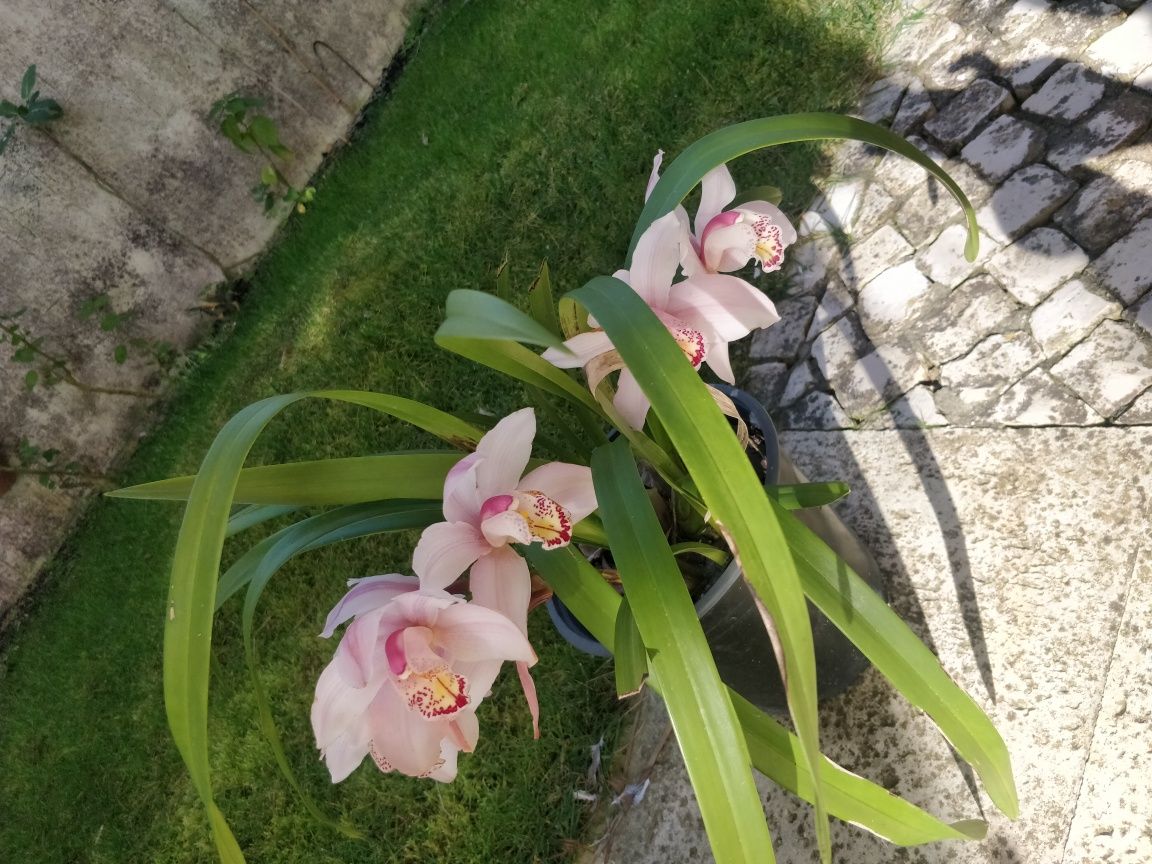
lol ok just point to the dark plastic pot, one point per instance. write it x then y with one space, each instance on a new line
727 610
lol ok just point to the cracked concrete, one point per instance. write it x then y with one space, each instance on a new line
134 195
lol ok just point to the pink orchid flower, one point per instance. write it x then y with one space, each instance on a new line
490 504
725 240
703 313
407 678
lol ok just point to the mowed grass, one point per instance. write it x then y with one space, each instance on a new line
518 128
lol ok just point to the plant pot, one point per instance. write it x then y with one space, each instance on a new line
727 609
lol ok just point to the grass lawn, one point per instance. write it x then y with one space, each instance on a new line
525 128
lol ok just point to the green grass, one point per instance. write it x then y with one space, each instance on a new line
540 119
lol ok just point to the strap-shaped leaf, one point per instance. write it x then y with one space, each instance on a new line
256 514
630 658
542 304
321 482
707 730
728 143
903 659
799 496
472 314
729 488
774 750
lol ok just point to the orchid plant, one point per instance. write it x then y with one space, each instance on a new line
501 531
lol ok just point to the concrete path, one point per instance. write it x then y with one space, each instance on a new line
1015 535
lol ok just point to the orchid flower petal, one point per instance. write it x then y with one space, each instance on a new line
343 756
338 707
584 347
507 527
505 451
449 757
717 189
366 595
446 550
568 485
767 208
726 305
630 400
401 739
654 177
656 259
529 688
501 581
719 362
355 657
461 497
473 633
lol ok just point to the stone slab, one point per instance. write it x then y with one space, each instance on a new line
871 257
1037 400
1140 414
782 340
1142 314
1111 821
1126 268
1110 368
1113 125
944 262
877 379
1105 209
894 296
1124 51
915 108
978 553
817 410
837 349
978 103
1068 94
1007 145
1032 267
1070 314
931 207
974 310
1025 200
835 301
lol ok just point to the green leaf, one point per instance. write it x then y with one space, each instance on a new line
716 556
903 659
771 194
706 726
7 109
282 152
263 131
726 144
5 139
43 111
734 497
322 482
541 303
30 378
268 175
475 315
120 354
631 660
800 496
110 321
776 753
255 514
504 281
28 83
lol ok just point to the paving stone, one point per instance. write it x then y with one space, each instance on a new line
1111 821
839 204
916 409
782 340
1113 125
880 102
931 207
802 380
1070 314
1109 369
1142 314
808 263
965 60
816 411
1126 268
893 297
837 349
876 208
915 108
960 118
1029 65
1140 414
765 381
973 311
972 384
1066 26
1025 200
1107 207
835 302
1068 94
877 379
1005 146
944 260
922 38
1124 51
1032 267
1144 80
1037 400
853 158
901 175
871 257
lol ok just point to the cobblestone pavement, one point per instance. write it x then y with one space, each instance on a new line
1043 118
1020 555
